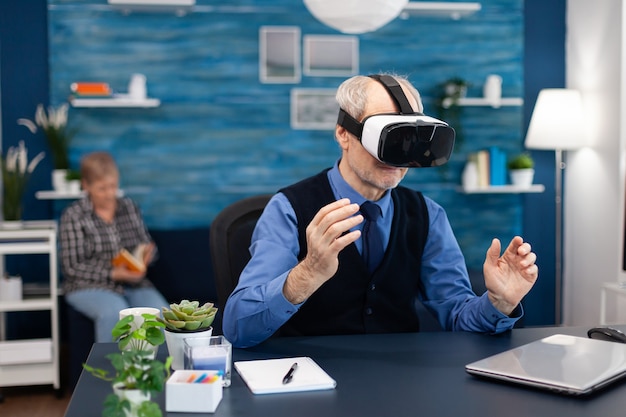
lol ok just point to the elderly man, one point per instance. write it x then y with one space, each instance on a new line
322 263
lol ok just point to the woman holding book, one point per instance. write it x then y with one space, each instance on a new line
94 231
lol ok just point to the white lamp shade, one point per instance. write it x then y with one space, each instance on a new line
355 16
557 121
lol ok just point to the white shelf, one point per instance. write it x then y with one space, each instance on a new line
115 101
30 362
153 2
57 195
503 189
32 304
479 101
441 9
64 195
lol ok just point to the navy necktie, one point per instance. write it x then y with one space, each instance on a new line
372 239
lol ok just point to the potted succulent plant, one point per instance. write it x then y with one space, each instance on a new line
521 169
138 374
183 320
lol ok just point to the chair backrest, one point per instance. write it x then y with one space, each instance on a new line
229 240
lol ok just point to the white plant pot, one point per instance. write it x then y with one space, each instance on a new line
522 177
59 181
134 396
73 187
176 347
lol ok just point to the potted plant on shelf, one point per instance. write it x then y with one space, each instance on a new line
521 170
73 181
53 122
183 320
454 89
138 374
447 104
16 171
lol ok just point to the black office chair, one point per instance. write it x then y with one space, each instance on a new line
230 235
229 238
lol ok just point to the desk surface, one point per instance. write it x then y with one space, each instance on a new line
386 375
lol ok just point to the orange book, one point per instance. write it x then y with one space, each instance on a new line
91 89
132 261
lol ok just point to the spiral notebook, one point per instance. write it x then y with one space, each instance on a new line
265 376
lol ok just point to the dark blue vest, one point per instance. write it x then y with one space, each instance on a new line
353 300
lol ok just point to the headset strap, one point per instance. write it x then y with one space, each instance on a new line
395 91
351 124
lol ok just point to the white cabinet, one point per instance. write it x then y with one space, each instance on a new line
32 361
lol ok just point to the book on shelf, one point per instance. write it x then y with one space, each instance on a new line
482 164
497 166
91 89
490 166
133 260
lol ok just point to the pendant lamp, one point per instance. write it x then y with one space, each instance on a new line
355 16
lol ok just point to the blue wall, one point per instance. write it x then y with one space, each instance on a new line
220 134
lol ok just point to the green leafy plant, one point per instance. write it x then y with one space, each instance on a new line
521 161
72 175
143 338
16 171
189 315
135 366
447 104
454 88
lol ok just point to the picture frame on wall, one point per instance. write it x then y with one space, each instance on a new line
279 54
331 55
314 109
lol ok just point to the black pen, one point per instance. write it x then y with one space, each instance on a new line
289 376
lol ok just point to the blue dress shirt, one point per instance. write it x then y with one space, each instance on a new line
257 307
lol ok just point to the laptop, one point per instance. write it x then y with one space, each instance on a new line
561 363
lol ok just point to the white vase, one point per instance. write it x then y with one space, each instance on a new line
134 396
469 178
492 90
522 177
176 346
59 181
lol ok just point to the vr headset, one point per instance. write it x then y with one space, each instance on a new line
405 139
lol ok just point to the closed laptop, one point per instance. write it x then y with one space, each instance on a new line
562 363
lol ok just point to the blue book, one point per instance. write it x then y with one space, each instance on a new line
497 159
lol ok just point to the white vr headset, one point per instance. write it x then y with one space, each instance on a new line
407 139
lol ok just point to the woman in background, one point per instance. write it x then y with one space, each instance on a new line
92 231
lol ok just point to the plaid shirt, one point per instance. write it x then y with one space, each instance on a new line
88 244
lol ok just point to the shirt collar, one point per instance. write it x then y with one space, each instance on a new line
341 189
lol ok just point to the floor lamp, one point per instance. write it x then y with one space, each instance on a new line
557 124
